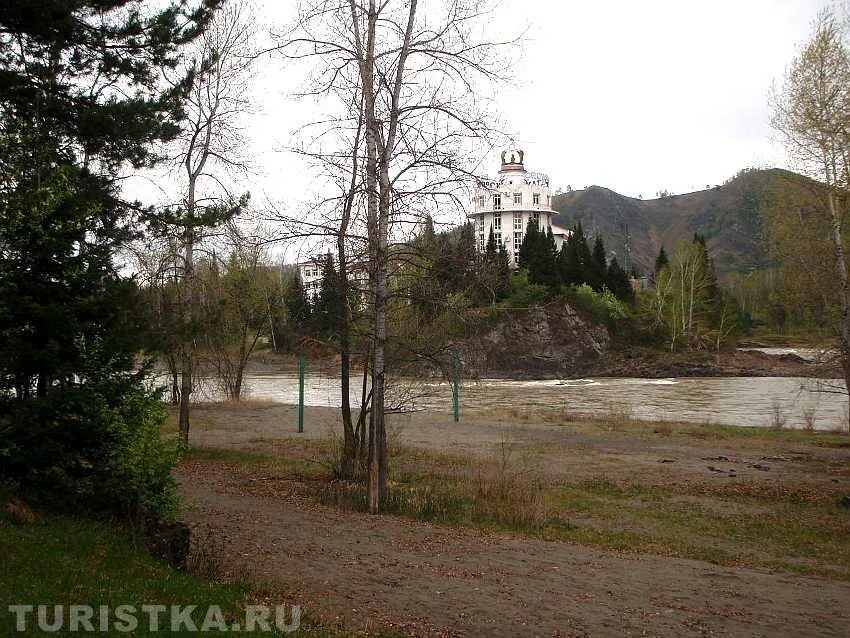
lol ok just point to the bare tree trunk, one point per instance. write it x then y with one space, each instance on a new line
350 443
349 451
844 289
367 77
187 357
174 373
379 241
365 400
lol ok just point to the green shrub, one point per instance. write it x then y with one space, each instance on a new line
524 293
602 306
93 447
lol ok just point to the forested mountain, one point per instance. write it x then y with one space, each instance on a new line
728 215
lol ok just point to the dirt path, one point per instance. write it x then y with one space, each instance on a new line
431 580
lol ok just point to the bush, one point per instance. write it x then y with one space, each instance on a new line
95 447
602 306
524 293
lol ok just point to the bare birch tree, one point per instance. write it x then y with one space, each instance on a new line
210 144
812 113
413 83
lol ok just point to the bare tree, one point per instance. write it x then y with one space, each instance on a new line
413 84
241 298
210 144
812 113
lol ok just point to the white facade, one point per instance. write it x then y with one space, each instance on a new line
311 277
507 202
311 272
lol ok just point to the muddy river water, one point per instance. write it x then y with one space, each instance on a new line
747 401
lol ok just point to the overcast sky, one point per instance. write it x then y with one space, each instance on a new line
642 96
634 96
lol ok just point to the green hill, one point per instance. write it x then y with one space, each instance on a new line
727 215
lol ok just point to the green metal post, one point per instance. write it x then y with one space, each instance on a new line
456 386
302 364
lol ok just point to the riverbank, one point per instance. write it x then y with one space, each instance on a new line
653 364
521 523
630 362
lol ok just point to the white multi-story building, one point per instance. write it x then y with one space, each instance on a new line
506 204
311 272
311 276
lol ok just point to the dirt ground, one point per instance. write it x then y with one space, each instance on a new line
423 579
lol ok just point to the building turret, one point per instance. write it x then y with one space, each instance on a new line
506 204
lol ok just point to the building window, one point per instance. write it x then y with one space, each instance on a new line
497 221
517 198
498 237
481 241
536 218
548 200
497 201
482 201
517 245
517 222
536 199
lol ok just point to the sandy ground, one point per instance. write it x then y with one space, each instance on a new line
431 580
576 450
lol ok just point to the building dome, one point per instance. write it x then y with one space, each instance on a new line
512 161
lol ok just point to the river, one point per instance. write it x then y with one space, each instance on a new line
747 401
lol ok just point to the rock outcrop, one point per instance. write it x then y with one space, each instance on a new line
545 341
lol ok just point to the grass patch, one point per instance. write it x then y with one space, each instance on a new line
750 527
781 525
796 527
620 420
67 560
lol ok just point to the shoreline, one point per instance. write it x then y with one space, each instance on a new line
635 363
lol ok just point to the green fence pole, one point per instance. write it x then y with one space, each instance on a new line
456 386
302 364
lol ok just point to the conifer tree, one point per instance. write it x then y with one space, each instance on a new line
328 307
298 310
490 250
569 260
80 97
598 270
428 238
661 260
529 245
618 282
584 255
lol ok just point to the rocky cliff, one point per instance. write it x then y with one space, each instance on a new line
548 341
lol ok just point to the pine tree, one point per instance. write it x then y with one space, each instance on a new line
598 270
428 238
618 282
661 261
548 273
584 255
529 245
298 310
80 97
328 309
490 250
569 260
537 254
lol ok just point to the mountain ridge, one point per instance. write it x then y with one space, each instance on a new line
728 215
